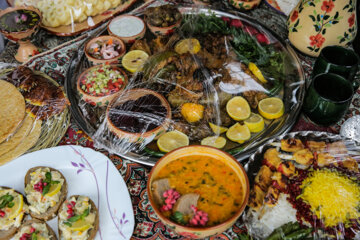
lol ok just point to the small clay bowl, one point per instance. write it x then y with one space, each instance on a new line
135 94
245 5
127 39
103 39
21 35
199 150
99 100
163 31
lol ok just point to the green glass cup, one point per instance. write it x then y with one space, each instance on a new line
327 99
339 60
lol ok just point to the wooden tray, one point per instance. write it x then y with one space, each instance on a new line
71 30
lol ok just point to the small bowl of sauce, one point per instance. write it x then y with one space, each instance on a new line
127 27
138 115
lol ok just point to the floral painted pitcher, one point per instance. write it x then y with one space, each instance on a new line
315 24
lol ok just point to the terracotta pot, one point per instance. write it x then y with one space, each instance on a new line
315 24
99 100
26 49
102 61
163 31
245 4
134 94
199 232
129 39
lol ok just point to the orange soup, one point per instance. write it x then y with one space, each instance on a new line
219 187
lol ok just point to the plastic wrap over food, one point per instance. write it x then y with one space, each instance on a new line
187 76
64 17
33 112
305 186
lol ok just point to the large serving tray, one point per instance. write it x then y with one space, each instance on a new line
77 28
252 167
294 89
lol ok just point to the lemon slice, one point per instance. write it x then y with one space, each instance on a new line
214 141
190 45
238 133
54 189
133 60
255 123
217 129
79 225
238 108
18 206
172 140
256 71
271 108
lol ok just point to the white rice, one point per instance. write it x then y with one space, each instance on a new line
271 218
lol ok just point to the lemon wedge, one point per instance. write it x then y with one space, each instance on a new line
238 108
214 141
190 45
172 140
133 60
271 108
54 189
79 225
256 71
255 123
18 206
238 133
217 129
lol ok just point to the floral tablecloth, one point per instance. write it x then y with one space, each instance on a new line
55 62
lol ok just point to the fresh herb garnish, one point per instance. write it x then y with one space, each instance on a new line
77 217
178 217
48 180
34 236
6 200
247 48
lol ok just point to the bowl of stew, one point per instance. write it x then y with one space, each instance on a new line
104 49
198 191
163 20
138 115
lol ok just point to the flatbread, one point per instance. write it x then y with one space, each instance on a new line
12 109
25 145
18 137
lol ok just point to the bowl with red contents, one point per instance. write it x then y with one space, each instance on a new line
99 84
104 49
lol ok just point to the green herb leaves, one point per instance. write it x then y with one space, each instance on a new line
6 200
178 217
77 217
48 182
34 236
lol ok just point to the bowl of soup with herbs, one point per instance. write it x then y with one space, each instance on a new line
19 22
198 191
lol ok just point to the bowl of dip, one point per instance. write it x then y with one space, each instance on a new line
208 188
127 27
138 115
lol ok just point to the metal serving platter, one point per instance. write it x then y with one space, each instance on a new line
254 164
294 89
252 167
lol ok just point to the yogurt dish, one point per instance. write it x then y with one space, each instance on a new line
127 27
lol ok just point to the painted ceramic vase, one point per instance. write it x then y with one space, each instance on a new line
314 24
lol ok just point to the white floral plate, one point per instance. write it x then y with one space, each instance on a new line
87 172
